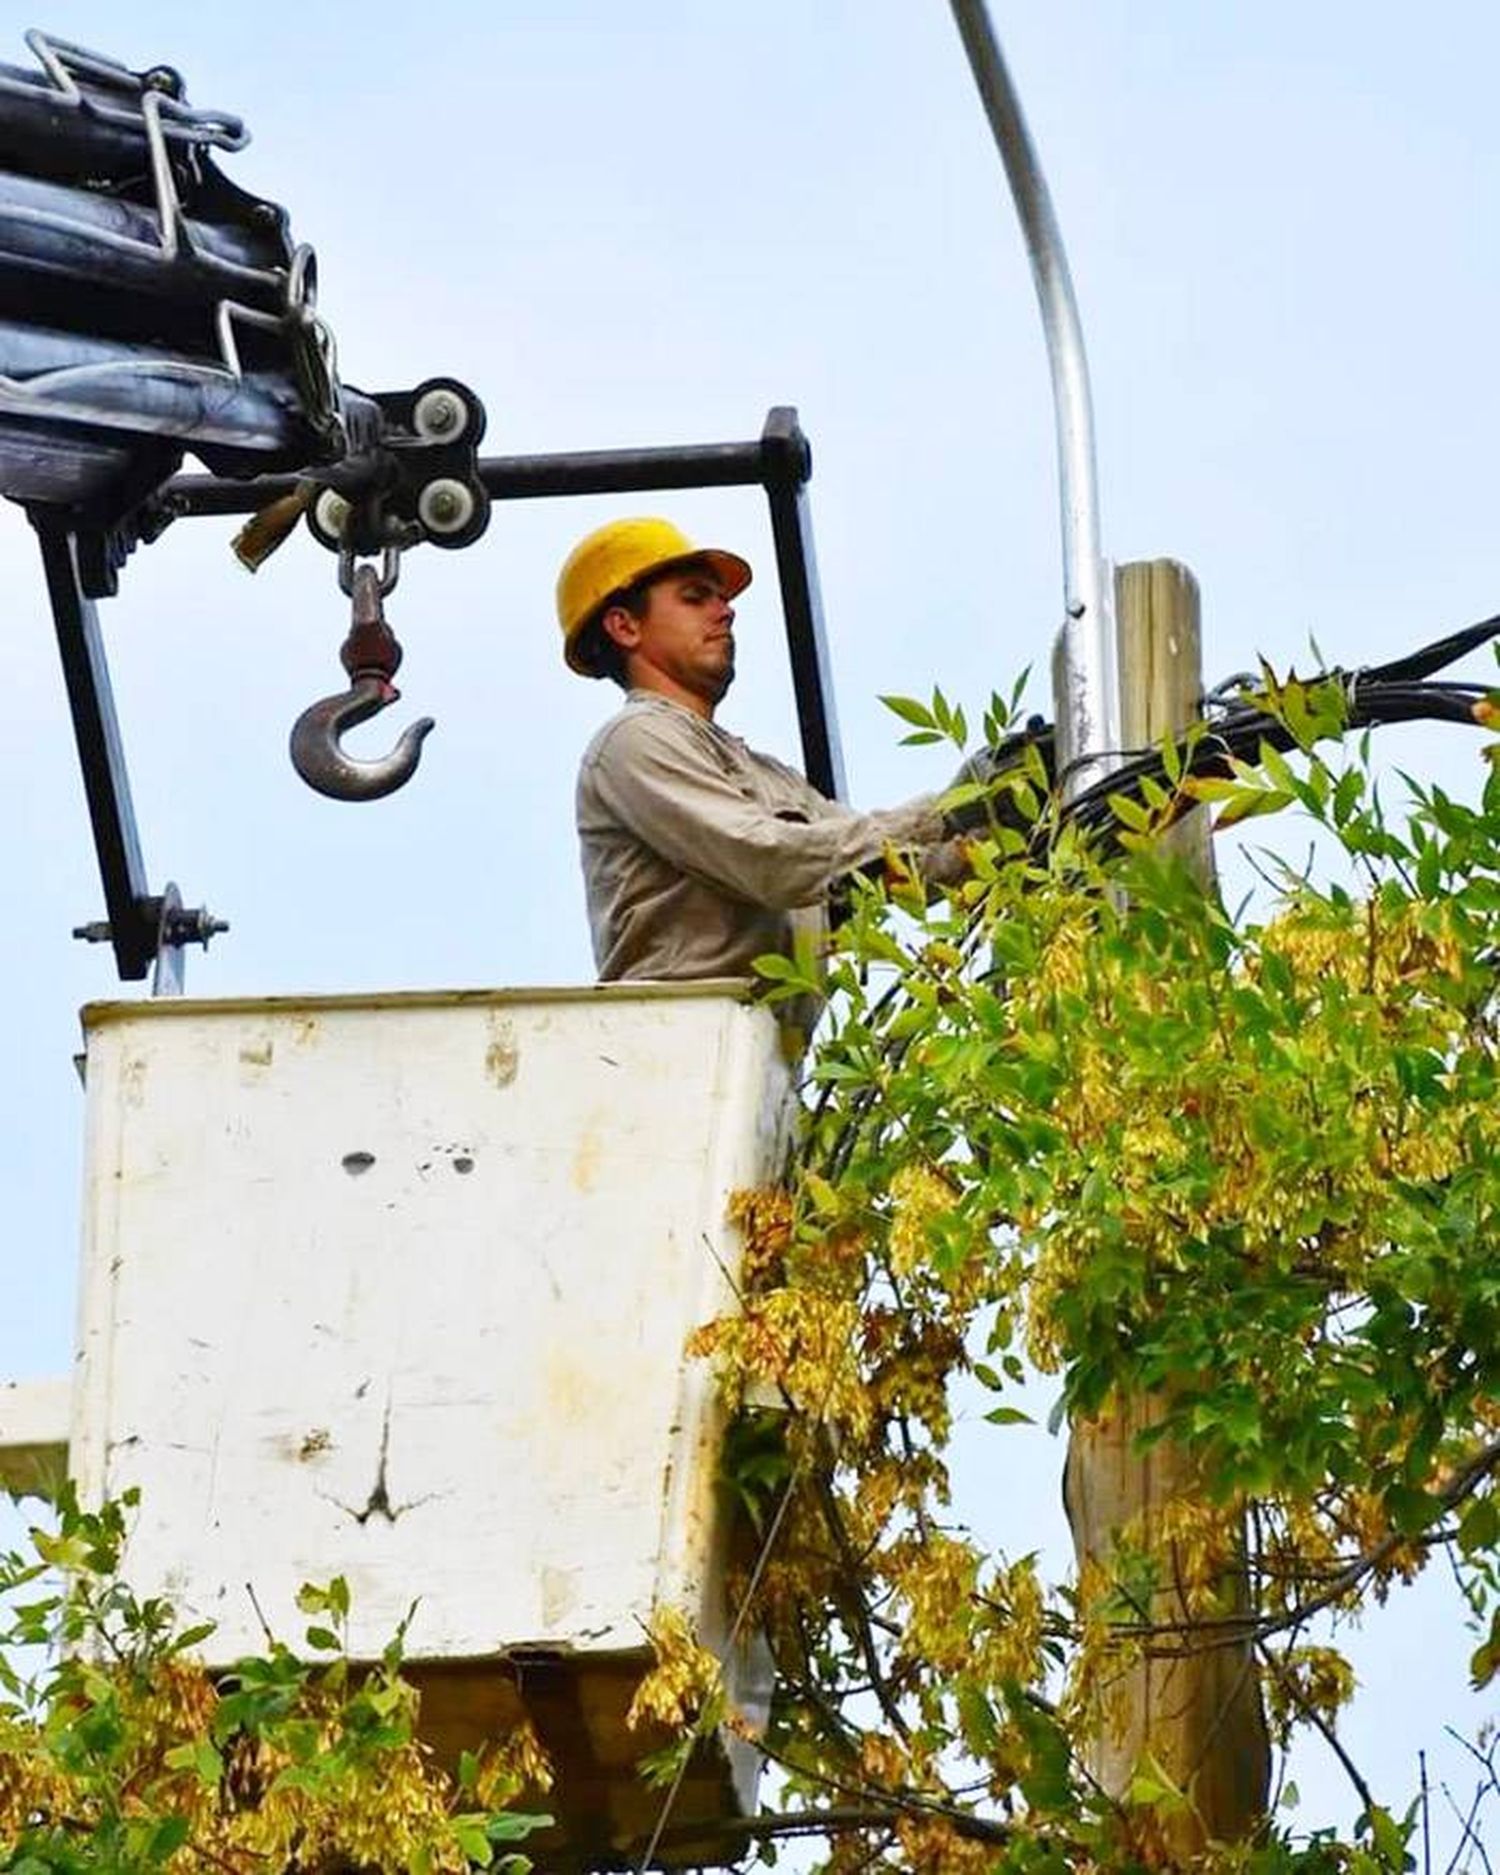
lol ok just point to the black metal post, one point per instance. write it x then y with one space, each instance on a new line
134 915
786 464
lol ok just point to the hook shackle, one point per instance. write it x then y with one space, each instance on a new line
372 656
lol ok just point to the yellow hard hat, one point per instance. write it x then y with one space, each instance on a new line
616 556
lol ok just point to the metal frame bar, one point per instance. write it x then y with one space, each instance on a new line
779 460
786 464
134 914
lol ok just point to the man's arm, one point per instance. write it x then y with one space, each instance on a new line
654 777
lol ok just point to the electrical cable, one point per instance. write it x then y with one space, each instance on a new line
1235 728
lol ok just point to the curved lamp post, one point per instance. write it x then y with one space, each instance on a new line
1086 666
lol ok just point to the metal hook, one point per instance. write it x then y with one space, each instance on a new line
372 657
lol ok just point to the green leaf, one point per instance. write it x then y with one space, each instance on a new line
515 1825
1213 788
1276 766
1153 1788
910 711
1388 1837
1485 1660
167 1837
1411 1510
777 968
190 1637
1129 812
1253 802
1479 1526
1154 794
1347 795
63 1552
471 1833
199 1755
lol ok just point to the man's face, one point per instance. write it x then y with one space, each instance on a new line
685 642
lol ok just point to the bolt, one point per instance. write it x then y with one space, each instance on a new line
445 506
194 926
439 416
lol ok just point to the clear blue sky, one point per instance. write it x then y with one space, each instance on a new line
648 223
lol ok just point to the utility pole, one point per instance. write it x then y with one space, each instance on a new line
1189 1700
1190 1704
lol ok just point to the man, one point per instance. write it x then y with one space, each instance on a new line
699 854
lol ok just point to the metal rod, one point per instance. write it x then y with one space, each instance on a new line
1089 693
133 913
517 478
619 471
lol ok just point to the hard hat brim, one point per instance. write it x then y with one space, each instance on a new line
733 574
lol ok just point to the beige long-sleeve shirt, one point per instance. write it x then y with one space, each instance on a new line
700 855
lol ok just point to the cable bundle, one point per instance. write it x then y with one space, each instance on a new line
1235 729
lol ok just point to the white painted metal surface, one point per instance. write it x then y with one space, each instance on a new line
34 1434
396 1288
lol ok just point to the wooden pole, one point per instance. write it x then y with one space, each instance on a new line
1187 1703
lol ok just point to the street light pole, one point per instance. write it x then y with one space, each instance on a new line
1086 678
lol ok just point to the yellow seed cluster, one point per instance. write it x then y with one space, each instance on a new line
919 1196
685 1684
763 1218
31 1784
511 1767
1196 1545
1307 1680
931 1846
801 1341
935 1577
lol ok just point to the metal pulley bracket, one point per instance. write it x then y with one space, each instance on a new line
420 483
